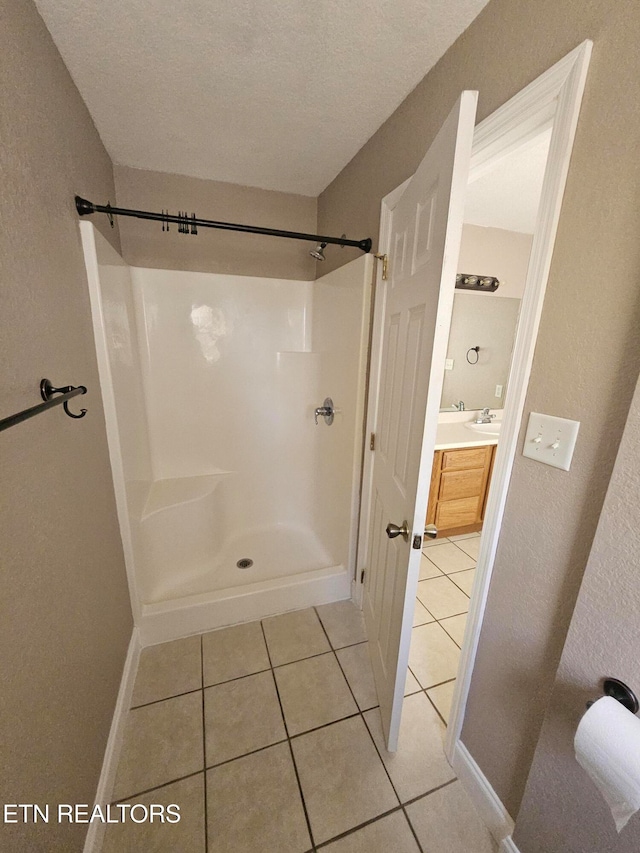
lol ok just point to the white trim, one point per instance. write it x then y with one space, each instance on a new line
507 845
488 804
562 85
95 833
90 250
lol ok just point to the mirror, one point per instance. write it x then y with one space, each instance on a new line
489 323
496 242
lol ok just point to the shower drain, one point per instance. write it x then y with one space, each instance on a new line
244 563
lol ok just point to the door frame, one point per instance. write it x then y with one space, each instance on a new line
553 99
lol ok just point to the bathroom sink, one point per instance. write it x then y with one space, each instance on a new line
492 429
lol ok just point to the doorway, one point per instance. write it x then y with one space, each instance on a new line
499 223
553 100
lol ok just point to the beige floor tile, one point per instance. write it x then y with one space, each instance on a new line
419 765
446 822
233 652
294 636
442 697
450 558
343 780
433 657
313 692
421 615
241 716
168 670
254 805
343 622
356 664
429 543
185 836
411 684
461 536
464 580
390 834
442 598
428 569
454 626
470 547
162 742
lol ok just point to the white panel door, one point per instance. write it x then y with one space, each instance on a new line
423 248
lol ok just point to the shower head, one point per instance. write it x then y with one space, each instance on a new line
318 253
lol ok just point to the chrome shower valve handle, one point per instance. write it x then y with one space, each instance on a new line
326 411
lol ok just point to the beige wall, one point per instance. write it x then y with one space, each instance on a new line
496 252
145 245
587 356
602 641
66 618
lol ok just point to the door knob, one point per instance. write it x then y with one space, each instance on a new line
393 530
431 531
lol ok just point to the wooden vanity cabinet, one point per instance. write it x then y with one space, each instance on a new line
459 485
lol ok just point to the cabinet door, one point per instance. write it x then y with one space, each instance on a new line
461 513
461 484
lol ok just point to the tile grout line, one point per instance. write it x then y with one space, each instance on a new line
164 699
360 712
202 689
154 788
360 826
433 705
291 753
204 747
368 730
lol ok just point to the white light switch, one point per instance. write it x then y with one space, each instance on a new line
498 390
551 440
448 364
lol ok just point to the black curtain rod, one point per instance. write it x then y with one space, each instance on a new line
184 221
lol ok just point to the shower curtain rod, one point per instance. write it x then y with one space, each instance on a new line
185 222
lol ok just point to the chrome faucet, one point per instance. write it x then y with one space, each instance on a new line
326 411
484 417
459 406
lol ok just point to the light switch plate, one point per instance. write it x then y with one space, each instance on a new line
551 440
448 364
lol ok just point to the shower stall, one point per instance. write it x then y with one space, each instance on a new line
233 504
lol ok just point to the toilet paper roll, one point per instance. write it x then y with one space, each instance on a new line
607 745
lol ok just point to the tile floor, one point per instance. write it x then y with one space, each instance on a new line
444 589
268 737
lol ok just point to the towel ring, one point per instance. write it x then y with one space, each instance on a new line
477 352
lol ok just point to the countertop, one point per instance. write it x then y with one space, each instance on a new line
452 435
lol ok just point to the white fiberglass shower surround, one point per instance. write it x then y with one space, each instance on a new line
209 384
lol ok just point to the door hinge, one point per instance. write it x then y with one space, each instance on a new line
417 542
362 573
372 441
385 264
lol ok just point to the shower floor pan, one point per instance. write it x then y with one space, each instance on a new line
290 569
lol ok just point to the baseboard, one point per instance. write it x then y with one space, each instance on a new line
507 845
490 807
95 834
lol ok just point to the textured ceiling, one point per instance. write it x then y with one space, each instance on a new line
278 95
508 195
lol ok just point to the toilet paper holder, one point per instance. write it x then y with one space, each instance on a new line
619 690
